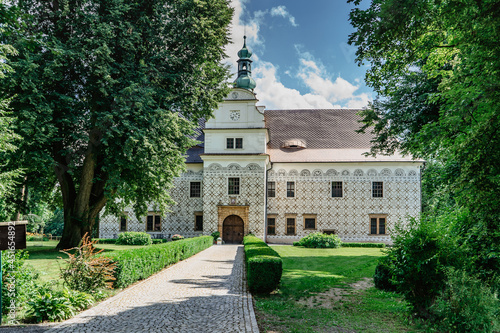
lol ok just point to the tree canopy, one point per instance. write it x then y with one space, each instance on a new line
107 93
435 66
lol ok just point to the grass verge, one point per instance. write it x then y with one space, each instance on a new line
329 290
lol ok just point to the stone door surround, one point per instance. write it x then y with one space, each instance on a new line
225 211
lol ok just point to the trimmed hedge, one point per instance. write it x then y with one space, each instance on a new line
159 240
379 245
137 264
264 265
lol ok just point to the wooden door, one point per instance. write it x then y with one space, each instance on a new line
232 230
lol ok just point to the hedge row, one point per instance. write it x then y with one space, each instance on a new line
380 245
113 240
137 264
264 265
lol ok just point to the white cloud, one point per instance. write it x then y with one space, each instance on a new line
281 11
324 91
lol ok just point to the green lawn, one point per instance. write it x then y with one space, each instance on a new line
319 293
45 258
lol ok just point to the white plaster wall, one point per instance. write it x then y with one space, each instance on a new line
254 141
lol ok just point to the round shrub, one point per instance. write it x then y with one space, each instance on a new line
319 240
134 238
383 275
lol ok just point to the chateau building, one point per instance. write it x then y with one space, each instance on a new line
282 174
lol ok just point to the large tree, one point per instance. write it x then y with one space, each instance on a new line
435 66
107 93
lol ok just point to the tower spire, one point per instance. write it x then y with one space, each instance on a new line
244 79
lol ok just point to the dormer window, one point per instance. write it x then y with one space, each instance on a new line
294 143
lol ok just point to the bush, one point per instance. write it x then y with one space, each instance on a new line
51 307
319 240
378 245
57 305
86 271
137 264
18 279
215 235
465 305
264 265
134 238
383 275
420 254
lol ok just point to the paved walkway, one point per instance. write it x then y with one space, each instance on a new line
205 293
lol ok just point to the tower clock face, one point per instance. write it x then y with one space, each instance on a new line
234 115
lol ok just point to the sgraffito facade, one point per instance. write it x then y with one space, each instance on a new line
282 174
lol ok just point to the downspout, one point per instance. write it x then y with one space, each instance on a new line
265 214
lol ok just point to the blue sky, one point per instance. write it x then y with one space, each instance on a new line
300 53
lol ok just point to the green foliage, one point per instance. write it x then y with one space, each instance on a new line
106 88
383 275
418 259
215 235
159 241
378 245
465 305
18 279
57 305
86 270
319 240
264 265
134 238
137 264
436 70
55 224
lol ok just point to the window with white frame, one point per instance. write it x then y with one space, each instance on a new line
336 189
234 143
233 186
195 189
290 189
378 189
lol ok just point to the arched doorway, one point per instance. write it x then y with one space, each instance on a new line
232 230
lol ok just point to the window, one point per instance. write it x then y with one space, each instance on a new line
271 225
153 222
238 143
377 224
290 226
195 189
234 143
290 189
123 224
198 221
233 186
309 222
377 189
271 189
336 189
